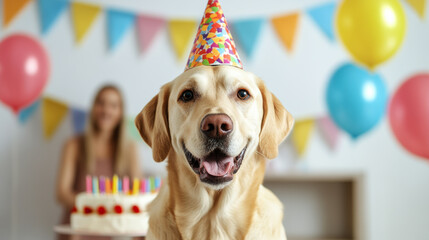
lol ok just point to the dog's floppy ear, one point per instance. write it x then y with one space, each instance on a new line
152 123
277 122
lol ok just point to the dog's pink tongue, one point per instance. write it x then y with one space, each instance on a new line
219 168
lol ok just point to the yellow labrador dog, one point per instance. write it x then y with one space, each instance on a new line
216 126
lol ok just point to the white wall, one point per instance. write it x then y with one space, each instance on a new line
398 183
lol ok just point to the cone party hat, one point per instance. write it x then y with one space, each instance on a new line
213 44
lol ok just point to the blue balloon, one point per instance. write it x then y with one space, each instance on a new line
356 99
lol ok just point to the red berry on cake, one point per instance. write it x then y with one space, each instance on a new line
74 209
118 209
135 209
101 210
87 210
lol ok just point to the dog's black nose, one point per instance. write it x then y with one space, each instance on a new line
216 125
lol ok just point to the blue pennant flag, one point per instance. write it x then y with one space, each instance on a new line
118 22
79 120
27 112
323 16
49 11
247 33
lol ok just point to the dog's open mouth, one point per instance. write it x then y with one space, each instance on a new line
217 167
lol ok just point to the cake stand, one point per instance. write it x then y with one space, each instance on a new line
67 230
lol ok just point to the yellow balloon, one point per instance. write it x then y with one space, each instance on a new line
371 30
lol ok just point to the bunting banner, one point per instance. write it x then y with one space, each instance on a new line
11 8
49 11
329 130
301 133
324 16
27 112
118 23
147 29
247 33
83 15
79 120
285 27
181 33
419 6
53 114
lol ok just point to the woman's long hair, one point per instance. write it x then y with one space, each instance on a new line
119 138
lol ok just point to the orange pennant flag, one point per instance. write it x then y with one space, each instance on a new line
419 6
285 27
11 8
83 15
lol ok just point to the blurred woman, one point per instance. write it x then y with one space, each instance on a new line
103 150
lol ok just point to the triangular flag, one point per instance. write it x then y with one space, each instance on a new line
147 28
118 22
285 27
132 129
324 16
419 6
27 112
49 11
181 33
329 131
79 120
247 33
53 114
83 15
11 8
301 133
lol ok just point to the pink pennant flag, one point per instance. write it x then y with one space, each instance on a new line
147 28
329 130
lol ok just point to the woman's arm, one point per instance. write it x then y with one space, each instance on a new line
66 174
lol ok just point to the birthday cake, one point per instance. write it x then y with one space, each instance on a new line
111 207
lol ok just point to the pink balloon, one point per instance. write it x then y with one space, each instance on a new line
409 115
24 71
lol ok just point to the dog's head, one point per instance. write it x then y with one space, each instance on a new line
215 118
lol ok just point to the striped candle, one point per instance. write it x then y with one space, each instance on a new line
88 184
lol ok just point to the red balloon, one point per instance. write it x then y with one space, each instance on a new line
409 115
24 71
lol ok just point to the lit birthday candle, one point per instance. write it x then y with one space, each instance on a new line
108 186
115 184
88 184
136 186
126 185
102 185
95 185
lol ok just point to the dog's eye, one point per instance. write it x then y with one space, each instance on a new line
243 94
187 96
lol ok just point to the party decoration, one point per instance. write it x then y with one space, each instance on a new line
181 32
356 99
247 33
147 28
375 36
27 112
213 44
329 131
285 27
49 11
301 133
419 6
83 15
323 16
79 120
409 115
118 23
24 71
53 114
11 8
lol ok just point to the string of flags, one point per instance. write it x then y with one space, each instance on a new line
54 112
119 22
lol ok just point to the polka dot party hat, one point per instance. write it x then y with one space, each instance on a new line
214 44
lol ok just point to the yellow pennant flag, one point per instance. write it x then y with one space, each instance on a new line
53 114
11 8
301 133
419 6
83 15
285 27
181 33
